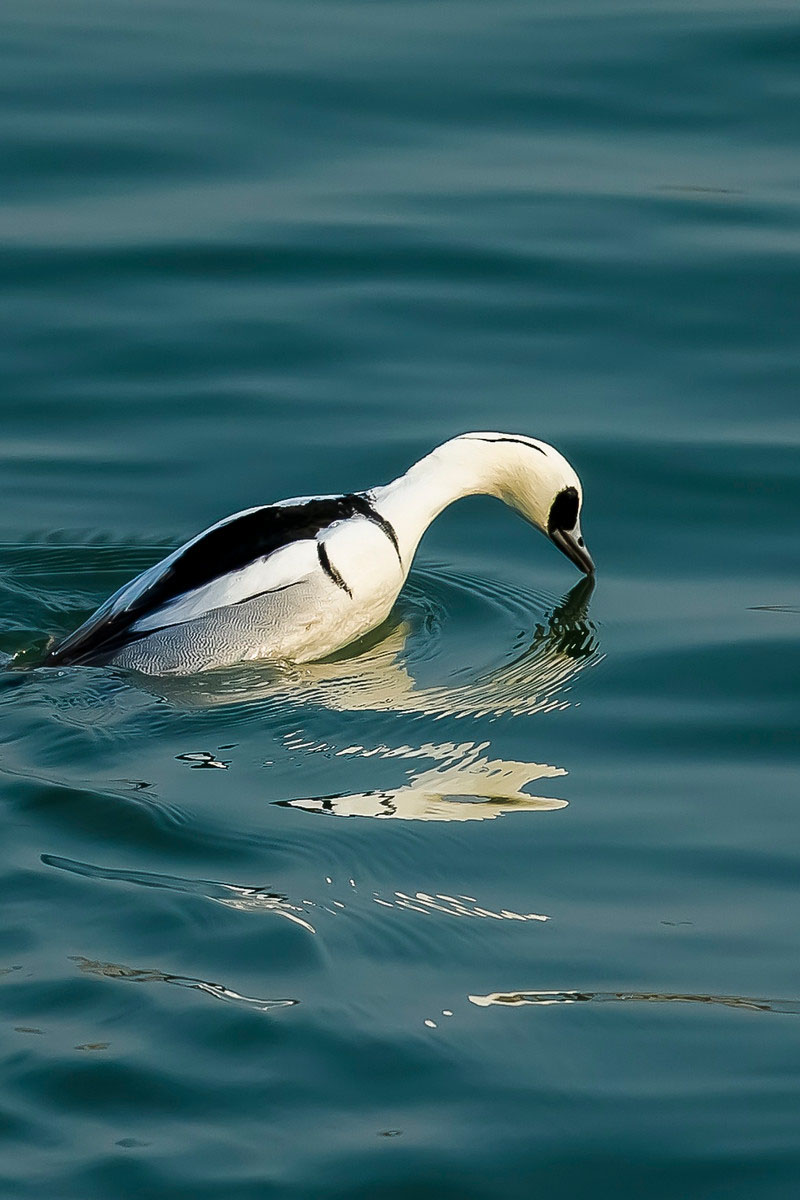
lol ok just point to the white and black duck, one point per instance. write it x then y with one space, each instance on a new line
301 578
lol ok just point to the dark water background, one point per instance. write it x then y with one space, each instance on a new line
254 249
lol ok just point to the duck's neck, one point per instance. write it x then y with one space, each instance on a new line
458 468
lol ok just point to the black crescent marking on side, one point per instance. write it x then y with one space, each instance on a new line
507 438
330 569
223 549
388 529
365 509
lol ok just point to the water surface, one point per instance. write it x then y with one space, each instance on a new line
505 899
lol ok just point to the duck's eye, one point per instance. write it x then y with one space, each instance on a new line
564 513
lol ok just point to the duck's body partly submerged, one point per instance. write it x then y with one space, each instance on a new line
299 579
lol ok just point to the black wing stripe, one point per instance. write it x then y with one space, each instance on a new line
266 592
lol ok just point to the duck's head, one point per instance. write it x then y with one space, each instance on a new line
537 481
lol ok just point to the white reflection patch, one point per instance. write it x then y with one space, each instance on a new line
466 786
453 906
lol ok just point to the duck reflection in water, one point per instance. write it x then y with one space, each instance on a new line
463 781
468 784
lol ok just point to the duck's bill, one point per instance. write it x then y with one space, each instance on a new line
571 544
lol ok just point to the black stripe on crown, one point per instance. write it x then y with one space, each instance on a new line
505 437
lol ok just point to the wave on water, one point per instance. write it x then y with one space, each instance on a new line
244 899
259 901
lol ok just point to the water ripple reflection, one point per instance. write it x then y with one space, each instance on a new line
110 970
453 906
753 1004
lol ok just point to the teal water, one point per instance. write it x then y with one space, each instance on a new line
333 932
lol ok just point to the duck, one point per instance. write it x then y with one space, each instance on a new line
299 579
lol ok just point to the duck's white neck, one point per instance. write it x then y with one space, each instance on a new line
461 467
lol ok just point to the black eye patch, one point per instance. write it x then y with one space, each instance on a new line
564 513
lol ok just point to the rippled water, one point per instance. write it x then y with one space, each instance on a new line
504 898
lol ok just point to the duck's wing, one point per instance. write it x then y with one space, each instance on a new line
260 550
